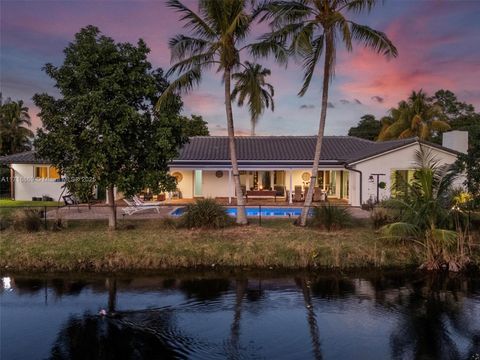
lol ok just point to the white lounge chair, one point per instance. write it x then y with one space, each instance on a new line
133 208
140 202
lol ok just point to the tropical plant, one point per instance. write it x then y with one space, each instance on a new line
250 86
104 126
205 213
417 116
313 28
15 123
331 217
218 29
425 211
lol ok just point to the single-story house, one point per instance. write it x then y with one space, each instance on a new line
352 170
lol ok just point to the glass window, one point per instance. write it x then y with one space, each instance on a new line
197 188
53 173
41 172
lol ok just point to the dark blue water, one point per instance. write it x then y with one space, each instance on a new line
240 316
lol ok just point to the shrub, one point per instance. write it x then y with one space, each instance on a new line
368 205
331 217
205 213
28 219
169 223
380 217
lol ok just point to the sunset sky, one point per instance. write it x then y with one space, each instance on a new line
438 43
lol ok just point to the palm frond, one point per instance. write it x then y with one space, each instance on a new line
182 47
185 83
192 20
400 231
310 61
373 39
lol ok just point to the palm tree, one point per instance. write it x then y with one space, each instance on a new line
415 117
218 29
251 85
316 27
425 214
14 128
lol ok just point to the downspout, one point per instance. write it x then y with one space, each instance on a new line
361 177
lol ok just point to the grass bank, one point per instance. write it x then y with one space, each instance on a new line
151 244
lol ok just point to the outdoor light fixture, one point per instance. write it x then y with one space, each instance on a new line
370 178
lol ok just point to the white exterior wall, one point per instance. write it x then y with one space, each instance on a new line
26 186
401 159
212 186
186 185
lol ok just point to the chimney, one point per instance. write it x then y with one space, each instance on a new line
456 140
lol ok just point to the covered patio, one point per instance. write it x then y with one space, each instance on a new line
261 185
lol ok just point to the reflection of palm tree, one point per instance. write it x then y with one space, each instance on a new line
241 286
432 311
112 294
311 319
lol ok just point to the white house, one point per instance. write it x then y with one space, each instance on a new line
351 169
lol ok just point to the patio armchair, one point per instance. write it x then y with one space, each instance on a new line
133 208
280 189
297 194
319 195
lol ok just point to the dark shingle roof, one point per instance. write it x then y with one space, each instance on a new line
204 149
278 148
27 157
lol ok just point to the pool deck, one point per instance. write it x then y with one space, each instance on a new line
101 211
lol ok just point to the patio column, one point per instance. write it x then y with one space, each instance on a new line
230 186
290 187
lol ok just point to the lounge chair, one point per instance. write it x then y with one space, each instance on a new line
297 194
133 208
140 202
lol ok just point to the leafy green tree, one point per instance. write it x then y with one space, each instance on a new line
313 28
104 126
250 86
417 116
194 126
367 128
15 123
218 31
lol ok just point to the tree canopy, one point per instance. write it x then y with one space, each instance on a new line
367 128
104 126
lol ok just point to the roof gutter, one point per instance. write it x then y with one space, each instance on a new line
348 167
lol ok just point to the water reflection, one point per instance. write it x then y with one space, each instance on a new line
306 315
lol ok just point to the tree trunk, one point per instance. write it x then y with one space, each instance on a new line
252 132
321 128
241 216
112 216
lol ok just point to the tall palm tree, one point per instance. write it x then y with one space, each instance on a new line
417 116
218 30
250 84
315 27
14 128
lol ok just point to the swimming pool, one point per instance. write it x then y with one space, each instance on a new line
255 211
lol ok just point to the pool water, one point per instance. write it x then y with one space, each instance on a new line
255 211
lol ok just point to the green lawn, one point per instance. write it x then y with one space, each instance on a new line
9 206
